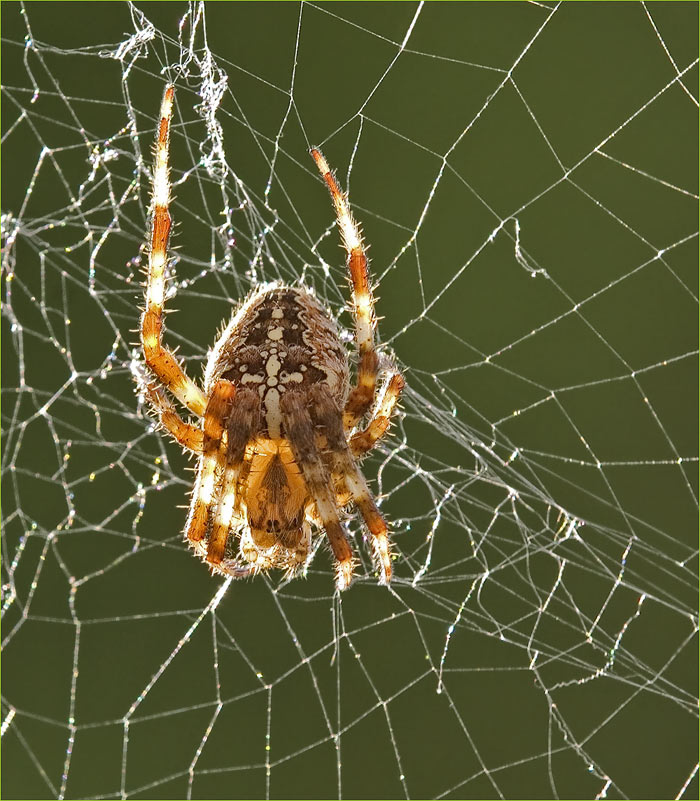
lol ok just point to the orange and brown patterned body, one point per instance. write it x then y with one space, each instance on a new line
280 340
279 351
277 442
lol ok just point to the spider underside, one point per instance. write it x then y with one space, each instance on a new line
280 430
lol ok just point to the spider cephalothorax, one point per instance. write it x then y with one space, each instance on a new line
280 429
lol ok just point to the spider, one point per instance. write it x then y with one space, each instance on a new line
280 428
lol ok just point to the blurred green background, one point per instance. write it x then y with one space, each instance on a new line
526 177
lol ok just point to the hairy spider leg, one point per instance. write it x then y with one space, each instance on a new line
243 423
360 397
300 432
327 416
159 359
363 441
189 436
212 462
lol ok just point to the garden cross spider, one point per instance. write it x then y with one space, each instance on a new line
280 430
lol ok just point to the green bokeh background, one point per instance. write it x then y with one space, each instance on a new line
449 301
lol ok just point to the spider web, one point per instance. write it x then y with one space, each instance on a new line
525 175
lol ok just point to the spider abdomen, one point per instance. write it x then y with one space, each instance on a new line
280 340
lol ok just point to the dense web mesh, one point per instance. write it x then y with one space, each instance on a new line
526 179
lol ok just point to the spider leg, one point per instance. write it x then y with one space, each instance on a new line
327 415
189 436
212 460
160 360
243 423
361 395
363 441
300 432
